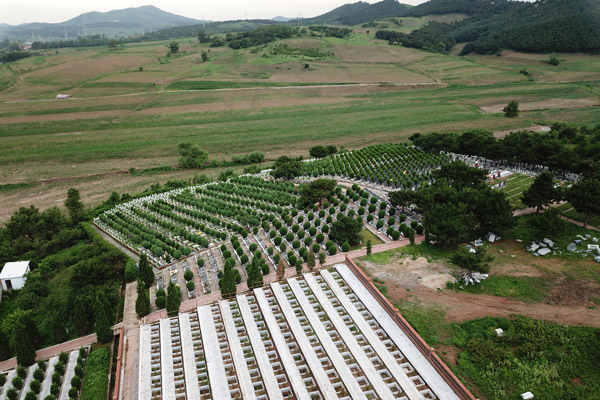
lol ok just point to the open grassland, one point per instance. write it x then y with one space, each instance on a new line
132 107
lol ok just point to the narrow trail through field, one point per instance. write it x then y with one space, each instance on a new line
268 88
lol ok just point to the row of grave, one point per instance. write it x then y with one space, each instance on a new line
322 336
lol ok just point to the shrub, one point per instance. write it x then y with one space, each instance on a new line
395 235
419 229
38 374
79 371
391 221
160 293
345 247
31 395
73 393
12 394
244 258
55 389
370 218
17 382
160 302
379 224
56 377
21 372
35 385
76 382
190 286
320 237
2 379
265 269
325 229
252 247
50 397
63 357
42 365
270 250
188 275
332 250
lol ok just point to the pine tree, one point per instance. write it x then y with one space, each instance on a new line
310 261
146 272
103 325
142 304
322 258
173 297
227 281
255 277
74 205
23 335
281 268
369 247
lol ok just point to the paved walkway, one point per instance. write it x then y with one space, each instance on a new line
48 352
131 330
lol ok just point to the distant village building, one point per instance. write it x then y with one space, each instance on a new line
63 96
13 275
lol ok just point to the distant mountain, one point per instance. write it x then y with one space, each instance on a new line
361 12
279 18
469 7
123 22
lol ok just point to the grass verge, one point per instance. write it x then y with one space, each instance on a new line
524 288
95 379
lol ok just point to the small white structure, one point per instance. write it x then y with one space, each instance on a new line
499 332
62 96
527 396
13 275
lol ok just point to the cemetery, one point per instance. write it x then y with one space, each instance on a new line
325 335
57 378
393 166
244 218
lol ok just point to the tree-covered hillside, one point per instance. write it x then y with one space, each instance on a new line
469 7
361 12
542 27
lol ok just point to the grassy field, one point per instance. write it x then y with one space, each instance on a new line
131 107
515 186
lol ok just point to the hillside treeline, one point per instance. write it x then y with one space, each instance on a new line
361 12
259 36
540 27
469 7
564 148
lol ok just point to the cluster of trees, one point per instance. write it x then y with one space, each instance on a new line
9 56
322 151
317 191
287 167
361 12
255 37
331 31
192 156
72 289
565 148
469 7
433 37
459 205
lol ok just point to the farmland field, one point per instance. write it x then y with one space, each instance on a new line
130 108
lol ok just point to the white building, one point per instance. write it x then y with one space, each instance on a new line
13 275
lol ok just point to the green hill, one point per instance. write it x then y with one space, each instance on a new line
469 7
544 26
361 12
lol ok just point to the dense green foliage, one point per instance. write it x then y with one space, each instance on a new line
542 192
8 56
330 31
584 196
361 12
72 266
346 229
258 36
474 262
459 205
317 191
566 147
470 7
539 27
95 380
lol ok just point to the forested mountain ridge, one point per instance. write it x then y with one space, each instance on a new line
544 26
361 12
469 7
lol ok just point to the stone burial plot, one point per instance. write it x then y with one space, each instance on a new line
324 335
394 166
243 219
58 378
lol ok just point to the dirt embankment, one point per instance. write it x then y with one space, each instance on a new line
568 300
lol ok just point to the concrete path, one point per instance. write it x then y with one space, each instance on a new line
131 326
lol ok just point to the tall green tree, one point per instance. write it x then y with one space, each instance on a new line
191 155
203 36
584 196
173 297
310 261
174 47
23 335
511 110
346 229
317 191
401 198
74 205
542 192
145 271
255 277
142 303
103 319
459 175
227 281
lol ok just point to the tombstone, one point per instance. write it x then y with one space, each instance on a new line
527 396
544 251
